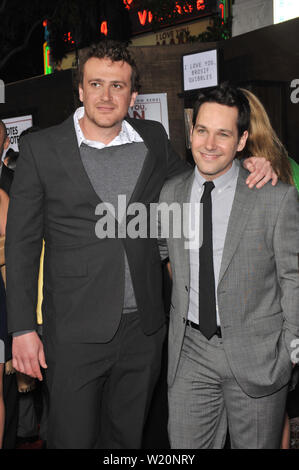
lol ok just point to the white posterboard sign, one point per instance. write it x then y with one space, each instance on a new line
200 70
15 126
285 10
152 106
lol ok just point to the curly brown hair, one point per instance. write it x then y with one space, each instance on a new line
116 51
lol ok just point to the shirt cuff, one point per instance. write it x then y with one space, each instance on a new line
20 333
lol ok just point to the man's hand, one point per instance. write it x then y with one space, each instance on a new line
261 172
28 354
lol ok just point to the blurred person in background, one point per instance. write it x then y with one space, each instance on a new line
6 174
5 340
264 142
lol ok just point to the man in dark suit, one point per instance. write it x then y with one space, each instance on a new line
103 315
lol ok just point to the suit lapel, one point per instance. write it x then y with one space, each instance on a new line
182 195
154 148
71 160
244 202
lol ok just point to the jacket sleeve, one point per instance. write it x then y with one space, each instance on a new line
24 234
162 241
286 248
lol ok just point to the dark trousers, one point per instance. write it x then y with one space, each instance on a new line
99 394
10 394
155 434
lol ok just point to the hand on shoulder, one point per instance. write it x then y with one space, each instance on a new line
261 172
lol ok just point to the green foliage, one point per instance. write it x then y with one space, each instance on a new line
219 31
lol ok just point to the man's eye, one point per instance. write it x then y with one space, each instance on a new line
223 134
116 85
95 84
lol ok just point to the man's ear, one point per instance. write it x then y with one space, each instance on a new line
133 98
242 141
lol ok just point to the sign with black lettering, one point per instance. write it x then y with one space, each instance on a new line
200 70
284 10
152 106
15 126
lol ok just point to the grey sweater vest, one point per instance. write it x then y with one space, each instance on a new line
114 171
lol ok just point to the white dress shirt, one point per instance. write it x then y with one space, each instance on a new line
222 201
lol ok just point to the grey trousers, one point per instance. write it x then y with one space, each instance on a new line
206 400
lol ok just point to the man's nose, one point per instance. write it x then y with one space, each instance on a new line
210 142
106 93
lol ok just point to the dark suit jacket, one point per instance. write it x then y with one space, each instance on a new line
52 198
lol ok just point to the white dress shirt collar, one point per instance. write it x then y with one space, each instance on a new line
127 134
223 181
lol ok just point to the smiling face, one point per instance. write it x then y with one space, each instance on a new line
106 96
215 140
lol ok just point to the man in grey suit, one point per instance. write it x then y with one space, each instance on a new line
235 301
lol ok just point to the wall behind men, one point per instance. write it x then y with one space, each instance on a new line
49 98
252 15
268 58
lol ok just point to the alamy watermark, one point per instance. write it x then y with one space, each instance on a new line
155 220
2 91
295 92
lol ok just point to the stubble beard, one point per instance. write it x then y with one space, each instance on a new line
102 123
213 173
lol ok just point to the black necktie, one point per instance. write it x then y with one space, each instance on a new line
207 301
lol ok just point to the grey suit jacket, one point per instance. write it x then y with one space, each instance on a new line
258 289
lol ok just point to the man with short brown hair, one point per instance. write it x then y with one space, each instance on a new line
103 315
234 319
